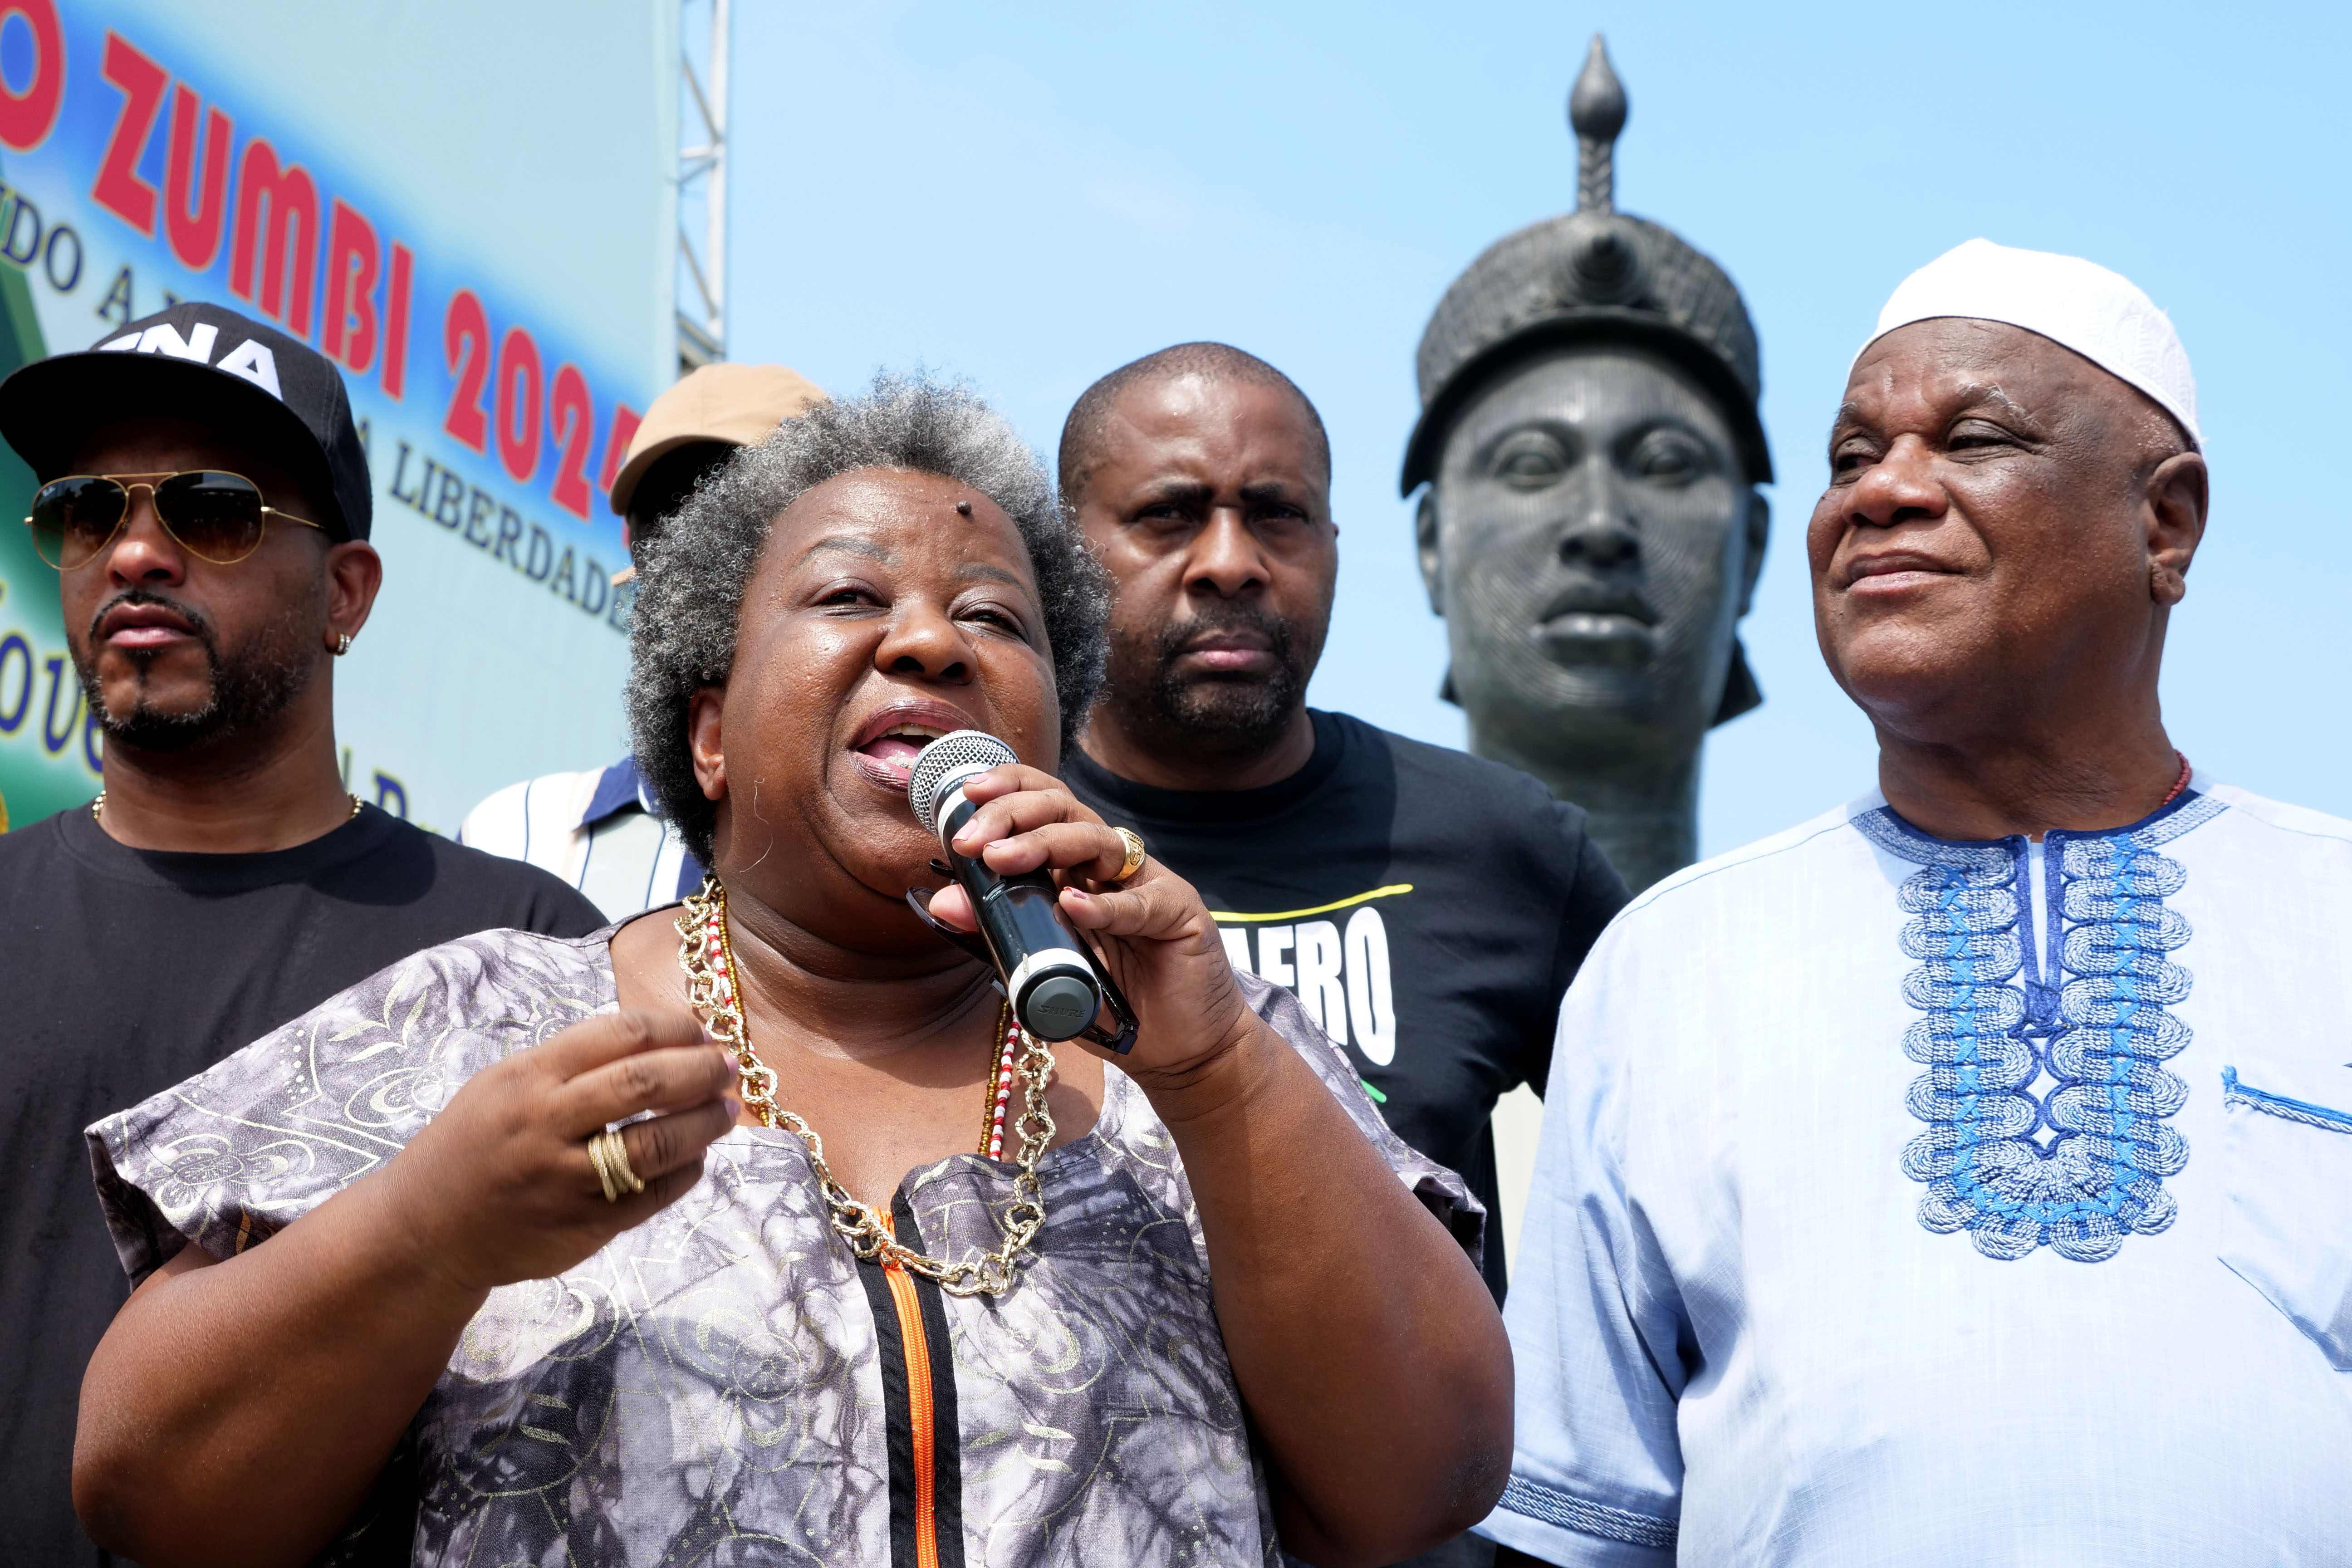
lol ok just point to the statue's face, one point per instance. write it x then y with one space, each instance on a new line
1591 552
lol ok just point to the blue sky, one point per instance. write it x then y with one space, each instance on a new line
1029 196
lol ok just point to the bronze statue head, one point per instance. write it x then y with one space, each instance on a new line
1591 529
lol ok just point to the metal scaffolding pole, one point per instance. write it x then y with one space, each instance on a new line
702 172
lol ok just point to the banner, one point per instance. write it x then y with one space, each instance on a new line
484 248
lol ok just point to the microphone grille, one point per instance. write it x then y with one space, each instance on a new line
957 753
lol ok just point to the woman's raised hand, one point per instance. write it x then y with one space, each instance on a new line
499 1187
1155 935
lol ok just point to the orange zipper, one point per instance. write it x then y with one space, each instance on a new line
918 1405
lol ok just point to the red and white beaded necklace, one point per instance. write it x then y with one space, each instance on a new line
997 1093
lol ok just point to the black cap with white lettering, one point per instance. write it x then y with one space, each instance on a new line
204 363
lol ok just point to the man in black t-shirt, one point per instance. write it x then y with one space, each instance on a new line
1429 908
205 501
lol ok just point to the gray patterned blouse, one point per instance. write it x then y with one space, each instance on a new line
726 1383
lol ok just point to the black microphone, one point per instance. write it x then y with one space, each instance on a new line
1048 973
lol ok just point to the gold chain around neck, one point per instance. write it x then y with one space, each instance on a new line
714 989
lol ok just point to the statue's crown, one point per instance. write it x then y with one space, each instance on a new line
1593 273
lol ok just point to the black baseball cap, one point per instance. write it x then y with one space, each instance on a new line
202 362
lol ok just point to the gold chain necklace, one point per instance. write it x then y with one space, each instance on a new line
714 991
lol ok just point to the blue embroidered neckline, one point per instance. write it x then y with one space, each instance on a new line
2083 1165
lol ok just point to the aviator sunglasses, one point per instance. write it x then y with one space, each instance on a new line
212 515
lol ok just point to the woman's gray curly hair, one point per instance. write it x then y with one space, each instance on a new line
692 575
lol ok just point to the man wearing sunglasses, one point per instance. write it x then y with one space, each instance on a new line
205 501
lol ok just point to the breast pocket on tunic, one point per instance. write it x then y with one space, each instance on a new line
2287 1229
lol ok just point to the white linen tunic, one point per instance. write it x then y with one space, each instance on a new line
1905 1202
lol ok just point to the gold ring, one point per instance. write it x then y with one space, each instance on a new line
604 1172
610 1155
616 1155
1135 853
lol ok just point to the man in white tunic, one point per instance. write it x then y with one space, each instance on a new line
1965 1176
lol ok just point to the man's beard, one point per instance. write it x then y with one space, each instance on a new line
249 687
1232 715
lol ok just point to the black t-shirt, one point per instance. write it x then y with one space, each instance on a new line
1428 907
123 972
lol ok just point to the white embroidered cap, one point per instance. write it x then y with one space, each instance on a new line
2077 304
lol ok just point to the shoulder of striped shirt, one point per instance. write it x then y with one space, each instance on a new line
533 821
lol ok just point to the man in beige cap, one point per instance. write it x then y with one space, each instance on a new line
598 829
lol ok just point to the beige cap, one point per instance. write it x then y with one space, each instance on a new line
737 403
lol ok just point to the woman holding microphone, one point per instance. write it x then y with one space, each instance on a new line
684 1243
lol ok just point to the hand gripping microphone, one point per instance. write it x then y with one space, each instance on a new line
1044 967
